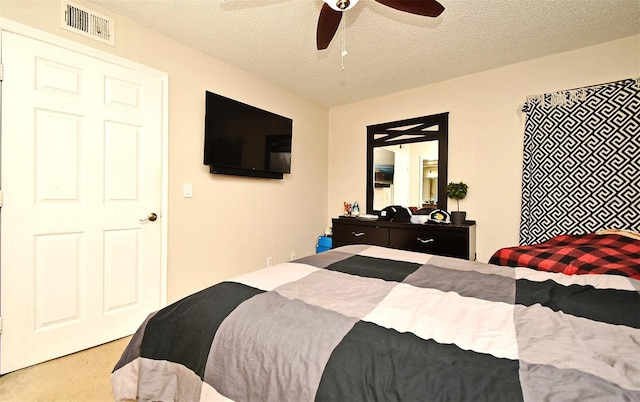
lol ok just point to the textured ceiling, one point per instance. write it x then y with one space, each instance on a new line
387 50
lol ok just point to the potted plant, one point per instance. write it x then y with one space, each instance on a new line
457 191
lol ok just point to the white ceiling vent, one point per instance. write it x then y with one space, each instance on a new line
85 22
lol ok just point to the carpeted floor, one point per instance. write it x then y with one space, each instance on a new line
80 377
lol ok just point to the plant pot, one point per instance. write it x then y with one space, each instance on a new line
458 217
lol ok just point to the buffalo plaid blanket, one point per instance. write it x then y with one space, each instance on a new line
577 254
366 323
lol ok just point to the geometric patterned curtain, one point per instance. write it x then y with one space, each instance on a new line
581 167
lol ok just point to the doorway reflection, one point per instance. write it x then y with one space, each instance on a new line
429 183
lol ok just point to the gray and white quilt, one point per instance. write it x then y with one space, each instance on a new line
366 323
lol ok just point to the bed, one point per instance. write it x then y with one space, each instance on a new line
367 323
611 251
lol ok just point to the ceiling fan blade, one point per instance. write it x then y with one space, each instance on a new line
327 26
428 8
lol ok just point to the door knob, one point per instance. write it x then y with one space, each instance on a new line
152 217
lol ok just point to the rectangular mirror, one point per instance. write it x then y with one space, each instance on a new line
407 163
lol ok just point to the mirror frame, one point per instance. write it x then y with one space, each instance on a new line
417 129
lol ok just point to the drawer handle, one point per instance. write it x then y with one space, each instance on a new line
425 241
358 234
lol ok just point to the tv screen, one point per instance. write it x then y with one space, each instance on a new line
244 140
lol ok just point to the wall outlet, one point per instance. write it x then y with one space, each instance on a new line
269 261
293 255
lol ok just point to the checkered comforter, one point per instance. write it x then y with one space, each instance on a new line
577 254
364 323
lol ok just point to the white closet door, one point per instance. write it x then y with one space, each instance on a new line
81 172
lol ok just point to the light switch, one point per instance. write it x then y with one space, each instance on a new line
187 190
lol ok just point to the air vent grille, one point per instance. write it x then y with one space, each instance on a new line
87 23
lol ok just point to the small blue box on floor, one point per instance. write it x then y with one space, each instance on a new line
324 244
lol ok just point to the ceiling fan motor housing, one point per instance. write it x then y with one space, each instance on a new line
341 5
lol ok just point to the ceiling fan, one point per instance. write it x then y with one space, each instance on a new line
331 14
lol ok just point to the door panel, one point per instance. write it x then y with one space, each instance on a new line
81 169
121 268
57 260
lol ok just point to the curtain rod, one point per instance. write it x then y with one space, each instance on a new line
580 93
636 79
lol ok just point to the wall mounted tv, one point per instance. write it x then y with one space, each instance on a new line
244 140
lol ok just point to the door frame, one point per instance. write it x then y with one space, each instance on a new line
49 38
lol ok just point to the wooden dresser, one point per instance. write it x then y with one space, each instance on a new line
442 239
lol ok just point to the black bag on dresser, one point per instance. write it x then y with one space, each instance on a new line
395 213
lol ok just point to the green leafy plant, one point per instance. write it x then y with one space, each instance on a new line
457 191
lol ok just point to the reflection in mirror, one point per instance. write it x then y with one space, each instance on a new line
429 182
384 188
407 163
398 178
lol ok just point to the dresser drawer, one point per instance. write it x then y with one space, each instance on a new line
344 234
448 240
450 243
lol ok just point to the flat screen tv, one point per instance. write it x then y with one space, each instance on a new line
244 140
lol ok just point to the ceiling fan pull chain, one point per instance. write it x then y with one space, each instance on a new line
344 50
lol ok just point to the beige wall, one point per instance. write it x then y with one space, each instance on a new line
485 131
232 224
